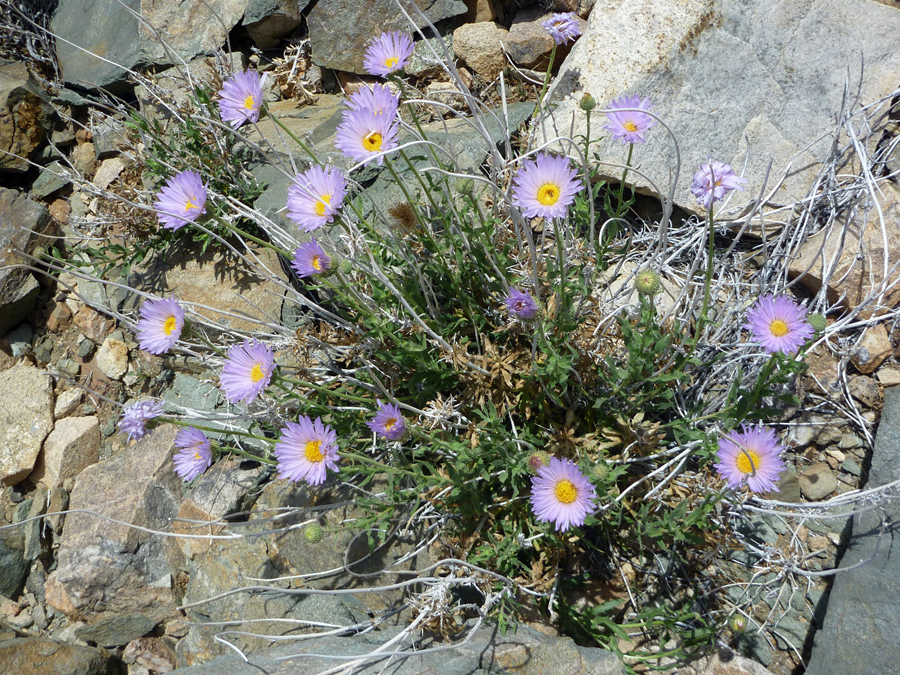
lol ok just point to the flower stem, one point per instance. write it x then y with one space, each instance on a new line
540 100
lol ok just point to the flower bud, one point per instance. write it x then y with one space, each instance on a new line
345 266
647 282
737 623
817 321
587 102
313 533
600 470
536 460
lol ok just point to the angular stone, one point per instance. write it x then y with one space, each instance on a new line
90 30
66 402
423 62
107 172
215 494
268 21
25 117
859 632
483 10
873 350
105 568
92 324
72 446
866 391
340 30
53 177
733 79
151 653
42 656
720 664
112 358
528 43
13 565
116 631
26 417
216 281
480 45
22 224
817 482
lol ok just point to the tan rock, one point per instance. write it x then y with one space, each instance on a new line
483 10
874 348
26 417
66 402
72 446
92 324
108 171
112 358
724 665
854 254
817 482
84 159
889 377
24 117
480 46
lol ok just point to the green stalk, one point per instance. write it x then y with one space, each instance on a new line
295 138
540 100
621 196
249 236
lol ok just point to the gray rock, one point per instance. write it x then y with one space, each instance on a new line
13 566
341 30
723 664
526 652
191 393
22 224
817 482
20 339
790 631
26 417
851 466
25 117
859 635
268 21
42 656
754 645
69 367
734 79
32 530
86 30
423 62
52 178
116 631
107 569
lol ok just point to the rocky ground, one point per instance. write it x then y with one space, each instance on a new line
136 602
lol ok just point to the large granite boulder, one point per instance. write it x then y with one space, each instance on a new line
109 568
341 30
738 80
25 117
26 417
97 41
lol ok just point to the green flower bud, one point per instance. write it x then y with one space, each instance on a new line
600 470
313 533
587 102
817 321
536 460
346 266
737 623
647 282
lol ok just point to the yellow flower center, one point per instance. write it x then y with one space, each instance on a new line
190 205
257 373
317 263
312 452
372 142
748 461
391 62
249 103
322 204
169 325
197 456
630 126
565 491
778 328
390 424
548 194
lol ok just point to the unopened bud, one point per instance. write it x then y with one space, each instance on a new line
737 623
537 460
647 282
817 321
600 470
345 266
313 533
587 102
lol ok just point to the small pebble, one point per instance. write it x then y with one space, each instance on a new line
851 467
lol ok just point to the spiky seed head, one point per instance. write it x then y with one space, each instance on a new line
817 321
647 282
313 533
587 102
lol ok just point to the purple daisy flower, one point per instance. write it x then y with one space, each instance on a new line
753 455
135 417
521 305
563 28
315 196
545 187
181 201
160 325
629 126
388 53
241 97
388 422
379 99
247 371
778 324
194 453
706 192
561 494
310 259
363 135
306 449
